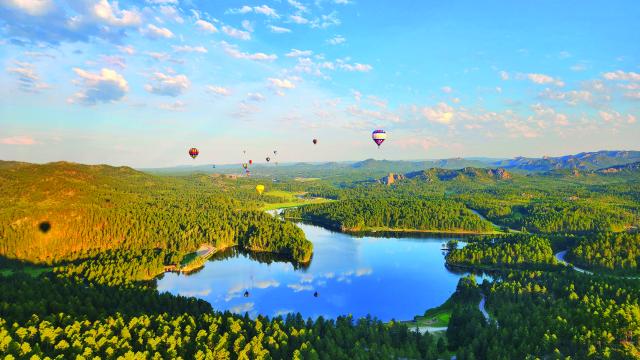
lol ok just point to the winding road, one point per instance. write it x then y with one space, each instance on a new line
560 257
425 329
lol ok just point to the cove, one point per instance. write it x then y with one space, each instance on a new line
385 276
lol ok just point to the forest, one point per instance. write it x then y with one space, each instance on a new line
98 236
614 252
554 315
63 212
516 250
393 214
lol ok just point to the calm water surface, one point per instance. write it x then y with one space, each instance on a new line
387 277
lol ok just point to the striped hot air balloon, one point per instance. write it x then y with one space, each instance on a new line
379 136
193 152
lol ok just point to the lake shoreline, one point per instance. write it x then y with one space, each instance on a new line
390 231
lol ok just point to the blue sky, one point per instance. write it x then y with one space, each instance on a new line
140 82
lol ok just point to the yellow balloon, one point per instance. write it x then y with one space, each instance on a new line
260 189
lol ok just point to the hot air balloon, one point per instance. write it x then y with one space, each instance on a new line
379 136
247 172
245 166
275 152
193 152
250 162
260 189
315 141
268 159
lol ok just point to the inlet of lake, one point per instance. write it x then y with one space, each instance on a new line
387 277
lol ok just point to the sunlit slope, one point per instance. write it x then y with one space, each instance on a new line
62 211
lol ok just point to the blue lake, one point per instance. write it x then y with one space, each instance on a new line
387 277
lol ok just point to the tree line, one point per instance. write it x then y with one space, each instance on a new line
402 214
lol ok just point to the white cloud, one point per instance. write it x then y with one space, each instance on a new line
299 19
128 49
308 66
171 13
245 110
279 30
190 49
31 7
281 83
18 140
441 113
175 106
297 5
635 95
367 114
615 117
28 78
103 87
247 25
256 97
298 53
236 33
325 21
504 75
156 32
262 9
110 14
218 90
242 308
337 40
114 60
160 2
520 129
572 97
167 85
544 79
266 284
265 10
447 89
206 26
356 67
300 287
544 114
233 51
578 67
620 75
283 312
196 293
158 55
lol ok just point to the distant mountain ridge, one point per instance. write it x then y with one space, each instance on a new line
632 167
582 161
439 174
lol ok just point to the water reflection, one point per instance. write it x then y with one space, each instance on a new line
387 277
